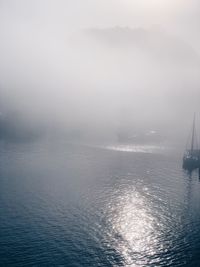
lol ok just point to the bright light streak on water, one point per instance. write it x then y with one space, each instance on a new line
137 148
132 221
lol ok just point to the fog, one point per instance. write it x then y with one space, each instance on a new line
98 69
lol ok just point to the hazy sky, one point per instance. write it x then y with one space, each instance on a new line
52 72
180 15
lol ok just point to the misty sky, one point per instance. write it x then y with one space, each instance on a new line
139 65
180 16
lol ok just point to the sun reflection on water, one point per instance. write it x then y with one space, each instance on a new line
133 229
137 148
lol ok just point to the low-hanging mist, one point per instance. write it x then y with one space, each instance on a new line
94 82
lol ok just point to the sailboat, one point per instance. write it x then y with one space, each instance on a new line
191 158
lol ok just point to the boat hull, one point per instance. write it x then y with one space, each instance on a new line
190 163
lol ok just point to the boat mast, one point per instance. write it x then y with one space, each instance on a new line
193 133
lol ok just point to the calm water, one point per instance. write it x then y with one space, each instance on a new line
73 205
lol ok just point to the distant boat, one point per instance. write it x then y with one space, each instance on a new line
191 158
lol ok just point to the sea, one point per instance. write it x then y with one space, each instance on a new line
106 205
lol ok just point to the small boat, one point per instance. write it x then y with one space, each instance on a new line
191 158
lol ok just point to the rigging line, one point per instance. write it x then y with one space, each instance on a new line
188 139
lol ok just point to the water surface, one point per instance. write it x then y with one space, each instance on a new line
112 205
